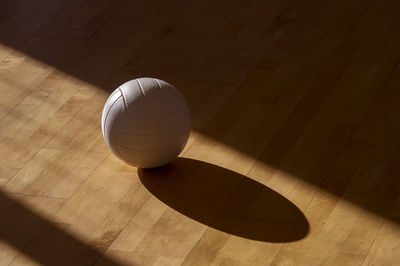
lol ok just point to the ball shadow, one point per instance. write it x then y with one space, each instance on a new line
226 200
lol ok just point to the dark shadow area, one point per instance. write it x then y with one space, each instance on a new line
291 124
225 200
42 240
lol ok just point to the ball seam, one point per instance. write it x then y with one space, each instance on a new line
108 112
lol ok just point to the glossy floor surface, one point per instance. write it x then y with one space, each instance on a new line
294 154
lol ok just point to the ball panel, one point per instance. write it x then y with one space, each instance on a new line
107 106
157 124
133 97
171 102
152 143
111 123
117 90
152 95
148 159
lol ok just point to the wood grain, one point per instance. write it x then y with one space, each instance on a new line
293 157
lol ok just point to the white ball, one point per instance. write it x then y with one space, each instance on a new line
146 122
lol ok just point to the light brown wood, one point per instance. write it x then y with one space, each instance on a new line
293 157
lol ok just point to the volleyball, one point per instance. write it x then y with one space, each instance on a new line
146 122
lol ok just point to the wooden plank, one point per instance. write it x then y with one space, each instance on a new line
293 157
22 218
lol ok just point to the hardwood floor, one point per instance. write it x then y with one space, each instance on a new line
294 154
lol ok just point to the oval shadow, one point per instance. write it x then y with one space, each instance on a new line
225 200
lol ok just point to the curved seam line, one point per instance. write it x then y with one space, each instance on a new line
144 96
123 98
129 161
114 93
155 114
105 119
116 139
154 134
159 86
121 146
